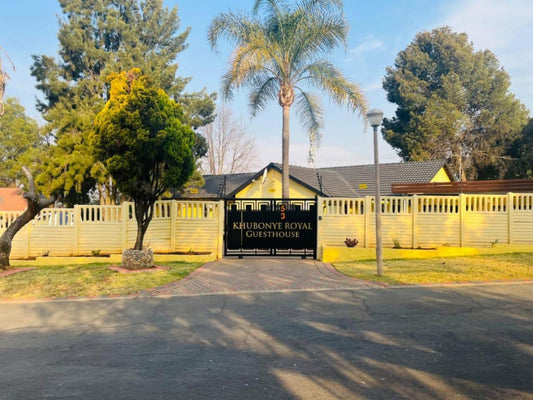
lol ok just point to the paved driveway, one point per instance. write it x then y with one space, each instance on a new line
233 275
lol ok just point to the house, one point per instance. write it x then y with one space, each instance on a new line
347 181
11 200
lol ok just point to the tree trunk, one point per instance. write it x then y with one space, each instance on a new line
9 234
144 211
36 203
285 153
141 230
139 216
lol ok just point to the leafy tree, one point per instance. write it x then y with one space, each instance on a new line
230 149
453 102
20 142
279 54
97 38
521 153
142 140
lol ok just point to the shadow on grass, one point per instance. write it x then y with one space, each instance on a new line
483 268
87 280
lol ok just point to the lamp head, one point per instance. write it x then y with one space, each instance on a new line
375 117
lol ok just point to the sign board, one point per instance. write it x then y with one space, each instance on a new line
271 224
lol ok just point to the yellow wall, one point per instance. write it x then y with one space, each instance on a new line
441 176
271 188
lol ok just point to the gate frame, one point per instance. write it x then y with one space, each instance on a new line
272 205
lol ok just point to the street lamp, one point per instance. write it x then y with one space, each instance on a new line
375 117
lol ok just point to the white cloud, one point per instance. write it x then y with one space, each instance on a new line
506 29
376 85
368 45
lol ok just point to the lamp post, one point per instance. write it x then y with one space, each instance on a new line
375 117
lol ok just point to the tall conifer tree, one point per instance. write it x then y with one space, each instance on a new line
97 38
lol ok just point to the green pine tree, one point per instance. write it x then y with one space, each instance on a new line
97 38
141 138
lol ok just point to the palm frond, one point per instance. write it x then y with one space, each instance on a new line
315 37
236 28
326 77
311 116
250 62
320 6
272 8
267 89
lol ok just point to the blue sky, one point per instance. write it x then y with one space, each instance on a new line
379 29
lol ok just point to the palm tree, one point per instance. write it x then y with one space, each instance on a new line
278 55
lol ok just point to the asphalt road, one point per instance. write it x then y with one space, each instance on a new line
462 342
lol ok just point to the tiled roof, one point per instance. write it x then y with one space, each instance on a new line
347 181
11 200
350 181
216 187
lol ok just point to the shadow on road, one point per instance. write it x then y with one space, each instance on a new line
417 343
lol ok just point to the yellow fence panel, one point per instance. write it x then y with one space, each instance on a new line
158 235
429 221
104 238
521 218
20 246
197 226
333 231
433 230
85 230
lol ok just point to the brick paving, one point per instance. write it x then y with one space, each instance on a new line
232 275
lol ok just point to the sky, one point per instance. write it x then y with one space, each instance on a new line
379 29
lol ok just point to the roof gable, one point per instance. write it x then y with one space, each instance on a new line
344 181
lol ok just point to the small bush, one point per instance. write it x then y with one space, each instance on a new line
351 242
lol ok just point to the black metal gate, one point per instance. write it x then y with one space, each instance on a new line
270 227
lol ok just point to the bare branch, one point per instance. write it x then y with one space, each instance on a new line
231 149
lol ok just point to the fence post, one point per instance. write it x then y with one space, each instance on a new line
221 228
414 212
173 217
510 211
77 226
125 218
368 215
319 217
462 212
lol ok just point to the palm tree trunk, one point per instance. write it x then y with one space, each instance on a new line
285 153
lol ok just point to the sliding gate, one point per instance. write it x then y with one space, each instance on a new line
270 227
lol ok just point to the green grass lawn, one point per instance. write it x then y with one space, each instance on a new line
483 268
87 280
